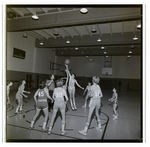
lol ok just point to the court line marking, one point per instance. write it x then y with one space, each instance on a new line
103 134
43 131
12 107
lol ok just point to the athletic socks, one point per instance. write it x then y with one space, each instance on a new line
84 131
44 125
31 125
99 127
17 110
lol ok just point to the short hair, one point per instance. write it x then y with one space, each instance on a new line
59 83
20 82
73 74
114 88
42 84
95 79
51 76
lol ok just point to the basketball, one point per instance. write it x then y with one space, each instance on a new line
67 61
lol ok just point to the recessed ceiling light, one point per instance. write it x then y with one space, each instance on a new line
87 56
84 10
35 17
105 52
129 56
90 59
106 56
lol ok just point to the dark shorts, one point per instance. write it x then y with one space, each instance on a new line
42 105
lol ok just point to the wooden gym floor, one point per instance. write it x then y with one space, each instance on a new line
127 128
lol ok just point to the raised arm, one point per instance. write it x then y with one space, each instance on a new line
66 80
67 71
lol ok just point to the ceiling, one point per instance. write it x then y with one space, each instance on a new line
116 25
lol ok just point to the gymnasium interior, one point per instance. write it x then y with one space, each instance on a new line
98 40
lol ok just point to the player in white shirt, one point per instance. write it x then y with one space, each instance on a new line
95 102
59 104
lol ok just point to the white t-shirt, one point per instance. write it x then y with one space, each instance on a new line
96 91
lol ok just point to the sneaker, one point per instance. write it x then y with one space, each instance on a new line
82 132
49 132
98 128
75 109
30 128
63 132
115 117
43 130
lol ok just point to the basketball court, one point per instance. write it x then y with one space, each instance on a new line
95 42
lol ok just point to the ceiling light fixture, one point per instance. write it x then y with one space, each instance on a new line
99 39
130 52
135 38
105 52
93 30
87 56
35 17
129 56
106 56
68 41
132 46
76 48
102 47
139 25
41 43
84 10
56 33
25 35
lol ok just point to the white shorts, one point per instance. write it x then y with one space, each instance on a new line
95 103
71 89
